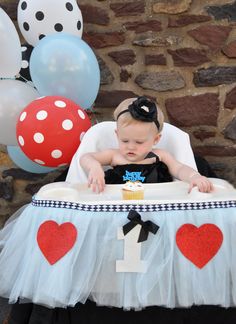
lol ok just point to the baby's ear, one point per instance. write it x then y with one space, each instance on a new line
157 138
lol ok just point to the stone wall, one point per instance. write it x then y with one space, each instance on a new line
181 52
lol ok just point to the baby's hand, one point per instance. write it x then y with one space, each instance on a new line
203 183
96 179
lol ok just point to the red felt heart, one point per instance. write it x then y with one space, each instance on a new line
56 240
199 244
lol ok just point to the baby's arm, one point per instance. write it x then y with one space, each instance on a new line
92 164
185 173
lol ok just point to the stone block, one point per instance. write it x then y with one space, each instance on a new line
94 15
111 99
171 7
213 36
142 27
101 40
230 99
193 110
122 58
188 56
230 49
185 20
230 130
214 76
160 81
226 11
134 8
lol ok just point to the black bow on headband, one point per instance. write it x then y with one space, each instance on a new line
146 227
142 109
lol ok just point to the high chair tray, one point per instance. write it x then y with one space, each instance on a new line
176 191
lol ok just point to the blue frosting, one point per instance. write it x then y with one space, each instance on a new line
133 176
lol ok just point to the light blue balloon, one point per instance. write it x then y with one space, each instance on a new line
23 162
65 65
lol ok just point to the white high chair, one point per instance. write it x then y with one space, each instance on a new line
102 136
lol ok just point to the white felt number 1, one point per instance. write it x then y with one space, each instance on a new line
132 252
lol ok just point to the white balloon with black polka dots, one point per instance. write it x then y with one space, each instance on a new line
38 18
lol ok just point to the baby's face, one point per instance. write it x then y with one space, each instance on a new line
136 140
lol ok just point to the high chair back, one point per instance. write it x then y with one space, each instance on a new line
102 136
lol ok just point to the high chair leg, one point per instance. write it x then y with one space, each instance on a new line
6 320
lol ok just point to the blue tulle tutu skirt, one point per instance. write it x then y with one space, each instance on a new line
88 269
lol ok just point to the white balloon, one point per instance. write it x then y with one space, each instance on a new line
14 97
10 53
39 18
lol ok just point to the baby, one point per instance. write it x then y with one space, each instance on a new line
139 126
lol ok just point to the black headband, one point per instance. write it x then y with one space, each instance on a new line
142 109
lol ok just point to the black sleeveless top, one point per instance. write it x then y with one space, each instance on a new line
147 173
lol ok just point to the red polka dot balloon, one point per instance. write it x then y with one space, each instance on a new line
49 130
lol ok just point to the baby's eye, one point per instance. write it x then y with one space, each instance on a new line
138 142
125 141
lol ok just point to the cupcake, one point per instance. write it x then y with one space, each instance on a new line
133 191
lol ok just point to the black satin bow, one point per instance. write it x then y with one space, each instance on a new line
142 109
139 113
146 227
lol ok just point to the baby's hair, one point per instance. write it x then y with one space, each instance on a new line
126 118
